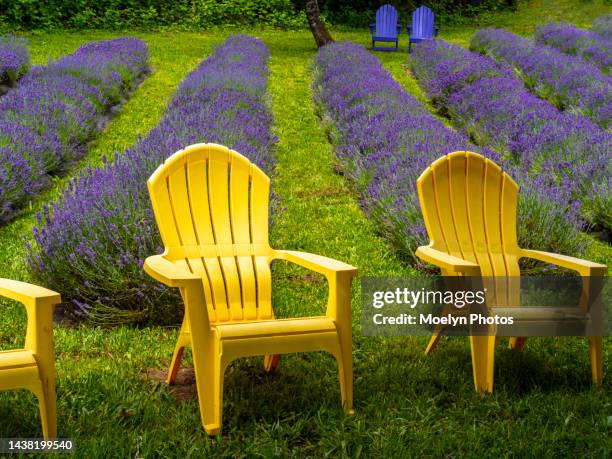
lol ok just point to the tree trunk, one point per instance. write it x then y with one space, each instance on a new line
319 32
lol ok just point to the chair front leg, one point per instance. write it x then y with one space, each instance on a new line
345 376
596 357
39 338
483 361
207 359
339 308
45 393
209 373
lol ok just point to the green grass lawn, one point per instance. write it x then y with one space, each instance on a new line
111 401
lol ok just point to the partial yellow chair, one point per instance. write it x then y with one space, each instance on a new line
33 366
211 206
469 206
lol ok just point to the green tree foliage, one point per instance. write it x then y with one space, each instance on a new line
359 13
122 14
200 14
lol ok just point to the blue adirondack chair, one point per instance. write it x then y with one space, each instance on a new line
385 29
422 27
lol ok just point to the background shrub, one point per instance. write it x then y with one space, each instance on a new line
14 60
360 13
122 14
198 14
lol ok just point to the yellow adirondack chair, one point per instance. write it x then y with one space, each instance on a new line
33 366
469 208
211 206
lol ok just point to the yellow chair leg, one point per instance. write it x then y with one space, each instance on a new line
517 343
184 340
433 342
596 355
209 373
271 362
483 361
345 375
51 411
175 364
48 416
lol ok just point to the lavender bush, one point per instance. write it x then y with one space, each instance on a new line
603 26
566 81
14 60
91 243
569 39
384 139
565 156
47 120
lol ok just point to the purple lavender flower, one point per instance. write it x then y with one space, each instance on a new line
566 81
46 121
105 215
14 59
569 39
562 157
603 26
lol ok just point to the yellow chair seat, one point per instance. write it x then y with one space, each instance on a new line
275 327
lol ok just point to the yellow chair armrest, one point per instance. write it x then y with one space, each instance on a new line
339 276
168 273
447 262
583 267
27 293
316 263
39 303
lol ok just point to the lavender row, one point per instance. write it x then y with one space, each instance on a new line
91 243
566 156
14 60
569 39
603 26
566 81
384 139
47 120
